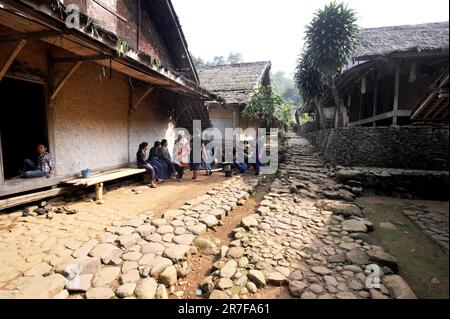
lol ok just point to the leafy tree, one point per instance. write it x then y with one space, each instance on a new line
263 106
332 38
284 114
234 57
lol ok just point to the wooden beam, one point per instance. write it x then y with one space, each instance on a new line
384 116
442 107
397 90
142 97
375 96
29 198
11 56
96 57
432 109
430 98
32 35
64 79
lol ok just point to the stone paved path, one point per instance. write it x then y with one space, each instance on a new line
433 223
306 234
90 256
318 247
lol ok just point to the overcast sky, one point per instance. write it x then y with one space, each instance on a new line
273 29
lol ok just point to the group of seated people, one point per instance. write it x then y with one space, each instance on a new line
157 161
161 166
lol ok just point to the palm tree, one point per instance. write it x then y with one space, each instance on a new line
332 39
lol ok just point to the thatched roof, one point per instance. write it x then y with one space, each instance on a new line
235 81
401 39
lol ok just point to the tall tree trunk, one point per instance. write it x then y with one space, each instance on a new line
319 108
337 101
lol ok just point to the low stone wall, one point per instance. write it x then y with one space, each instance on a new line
424 148
420 184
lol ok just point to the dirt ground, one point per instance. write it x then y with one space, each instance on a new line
420 259
168 195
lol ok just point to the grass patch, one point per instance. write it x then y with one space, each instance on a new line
420 259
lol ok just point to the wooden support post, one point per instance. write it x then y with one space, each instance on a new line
375 98
99 193
10 57
397 91
141 98
64 79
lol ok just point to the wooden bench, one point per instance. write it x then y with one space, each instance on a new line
99 178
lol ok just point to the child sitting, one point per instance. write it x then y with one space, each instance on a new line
43 167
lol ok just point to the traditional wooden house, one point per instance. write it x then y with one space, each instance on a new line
398 77
91 86
234 83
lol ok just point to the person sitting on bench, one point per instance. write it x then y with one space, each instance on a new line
141 157
165 157
43 167
153 159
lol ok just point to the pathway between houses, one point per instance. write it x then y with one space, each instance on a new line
317 248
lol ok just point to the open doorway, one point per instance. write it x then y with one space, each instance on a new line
23 123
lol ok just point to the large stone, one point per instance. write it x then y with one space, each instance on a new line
40 287
169 276
225 283
109 254
79 266
165 229
126 290
257 277
128 241
161 292
171 214
158 266
152 248
345 175
184 239
84 250
100 293
206 246
354 226
208 220
105 276
198 229
41 269
219 294
358 257
347 210
236 252
146 289
229 269
249 222
131 276
145 230
80 283
381 257
176 253
276 279
297 288
321 270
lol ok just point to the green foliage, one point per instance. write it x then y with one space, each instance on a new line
310 82
332 38
285 115
285 87
305 118
233 58
121 47
263 106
